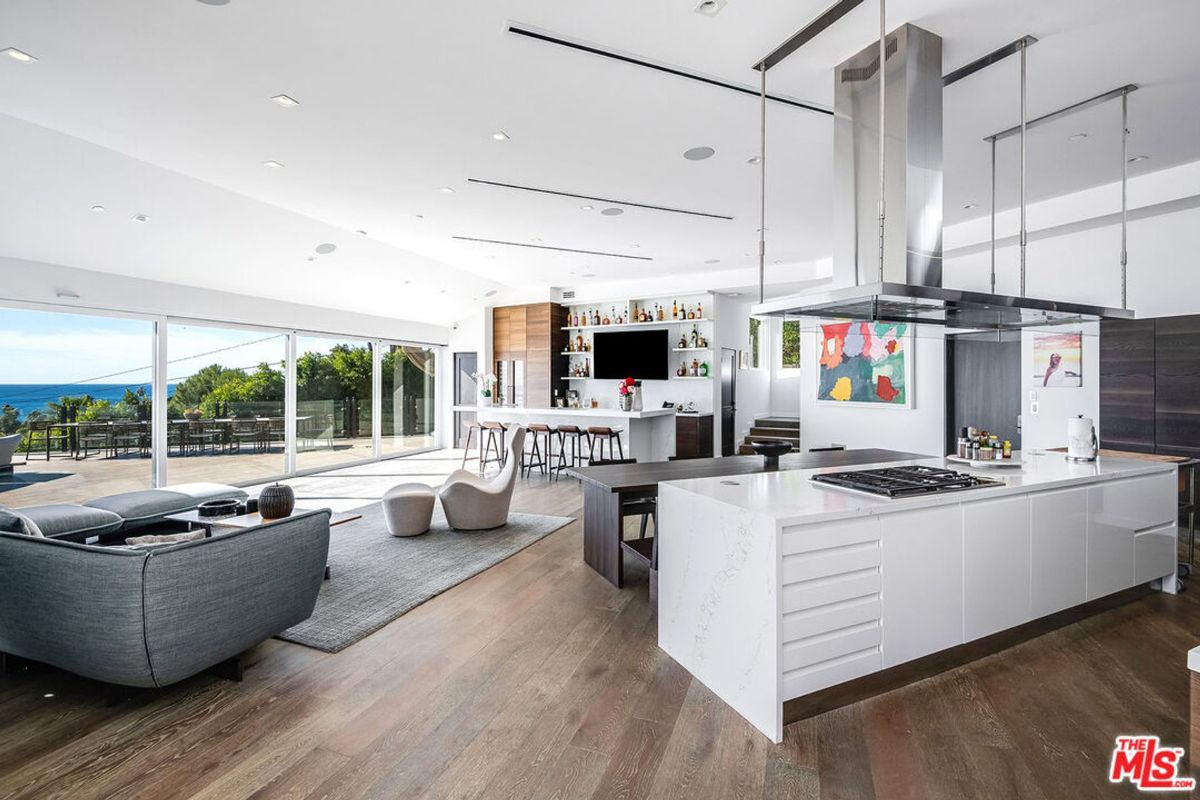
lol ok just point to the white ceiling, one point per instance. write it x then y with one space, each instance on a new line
165 111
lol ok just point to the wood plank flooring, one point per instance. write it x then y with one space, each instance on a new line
538 679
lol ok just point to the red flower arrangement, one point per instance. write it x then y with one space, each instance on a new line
625 386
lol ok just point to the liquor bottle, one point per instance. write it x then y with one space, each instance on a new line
605 319
587 367
661 313
675 309
691 315
699 310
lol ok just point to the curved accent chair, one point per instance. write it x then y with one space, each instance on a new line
473 503
8 448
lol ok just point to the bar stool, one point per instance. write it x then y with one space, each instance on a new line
574 435
472 427
598 435
492 441
538 457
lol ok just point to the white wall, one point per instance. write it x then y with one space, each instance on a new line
920 429
38 283
753 399
1048 427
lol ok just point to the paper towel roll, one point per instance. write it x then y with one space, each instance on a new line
1081 438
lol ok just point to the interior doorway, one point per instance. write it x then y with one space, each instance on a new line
983 386
466 391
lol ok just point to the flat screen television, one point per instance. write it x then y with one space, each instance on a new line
641 355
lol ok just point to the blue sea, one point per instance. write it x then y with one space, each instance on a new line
26 397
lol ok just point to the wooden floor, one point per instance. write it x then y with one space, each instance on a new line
538 679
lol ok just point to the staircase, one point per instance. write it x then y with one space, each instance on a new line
784 429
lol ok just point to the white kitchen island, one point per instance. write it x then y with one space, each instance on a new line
647 435
772 588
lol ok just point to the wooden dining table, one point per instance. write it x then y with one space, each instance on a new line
607 487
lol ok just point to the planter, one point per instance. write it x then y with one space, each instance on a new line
625 402
276 502
192 416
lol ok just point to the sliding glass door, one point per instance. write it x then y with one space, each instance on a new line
225 415
75 406
409 399
333 401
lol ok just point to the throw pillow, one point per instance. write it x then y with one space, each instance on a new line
155 540
13 521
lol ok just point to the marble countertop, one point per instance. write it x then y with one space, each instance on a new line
790 498
534 411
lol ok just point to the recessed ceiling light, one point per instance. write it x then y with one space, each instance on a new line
636 246
500 136
1077 137
140 218
66 294
419 216
312 258
970 205
613 212
490 293
535 240
713 261
778 262
698 153
407 281
286 101
361 232
326 248
97 209
441 291
586 208
709 8
1136 159
18 55
446 190
754 160
273 164
589 275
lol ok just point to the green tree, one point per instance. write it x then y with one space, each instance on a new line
10 420
195 390
789 356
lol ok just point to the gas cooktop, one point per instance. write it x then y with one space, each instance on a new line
907 481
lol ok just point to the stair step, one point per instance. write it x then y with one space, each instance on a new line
787 433
778 422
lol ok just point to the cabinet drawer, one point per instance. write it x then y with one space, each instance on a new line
807 538
1154 553
1136 504
800 624
824 563
810 594
826 646
830 673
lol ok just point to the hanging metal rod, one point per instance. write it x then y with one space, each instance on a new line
808 33
1024 127
999 54
1080 106
762 188
1124 199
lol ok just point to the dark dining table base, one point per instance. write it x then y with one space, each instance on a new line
606 488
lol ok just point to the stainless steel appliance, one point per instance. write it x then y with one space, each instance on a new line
904 481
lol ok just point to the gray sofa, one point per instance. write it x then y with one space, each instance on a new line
125 512
156 616
8 448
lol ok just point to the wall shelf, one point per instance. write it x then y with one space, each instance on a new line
575 353
690 378
625 325
690 349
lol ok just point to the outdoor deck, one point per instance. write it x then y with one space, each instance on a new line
64 479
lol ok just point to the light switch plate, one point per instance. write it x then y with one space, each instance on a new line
1033 408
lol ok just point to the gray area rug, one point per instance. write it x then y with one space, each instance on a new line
378 577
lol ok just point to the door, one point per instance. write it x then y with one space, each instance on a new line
466 393
728 400
983 386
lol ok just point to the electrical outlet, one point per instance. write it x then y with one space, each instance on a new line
1033 408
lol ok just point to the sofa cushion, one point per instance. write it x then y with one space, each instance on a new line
158 540
13 521
62 520
151 505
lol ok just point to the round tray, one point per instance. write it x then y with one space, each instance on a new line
217 508
1007 463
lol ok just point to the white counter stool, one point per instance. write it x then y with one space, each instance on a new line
538 454
472 427
598 435
491 438
408 509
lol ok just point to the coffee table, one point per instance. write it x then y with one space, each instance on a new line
209 524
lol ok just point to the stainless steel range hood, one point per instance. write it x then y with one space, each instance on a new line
891 270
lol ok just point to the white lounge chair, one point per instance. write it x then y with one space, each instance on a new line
473 503
8 448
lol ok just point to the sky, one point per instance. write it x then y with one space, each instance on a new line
44 347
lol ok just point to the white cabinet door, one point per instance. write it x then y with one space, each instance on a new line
922 584
1155 553
1116 512
995 565
1058 543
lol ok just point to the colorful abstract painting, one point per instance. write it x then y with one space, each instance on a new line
865 362
1058 360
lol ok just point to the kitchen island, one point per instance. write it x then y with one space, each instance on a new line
772 590
647 435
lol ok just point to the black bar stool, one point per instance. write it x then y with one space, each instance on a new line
598 435
538 457
492 441
574 435
472 427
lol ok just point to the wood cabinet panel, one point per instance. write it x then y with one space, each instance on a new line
694 435
1127 378
532 334
1177 385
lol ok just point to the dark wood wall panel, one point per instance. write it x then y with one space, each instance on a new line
1177 385
983 387
1127 378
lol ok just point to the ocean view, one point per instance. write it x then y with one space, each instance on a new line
26 397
